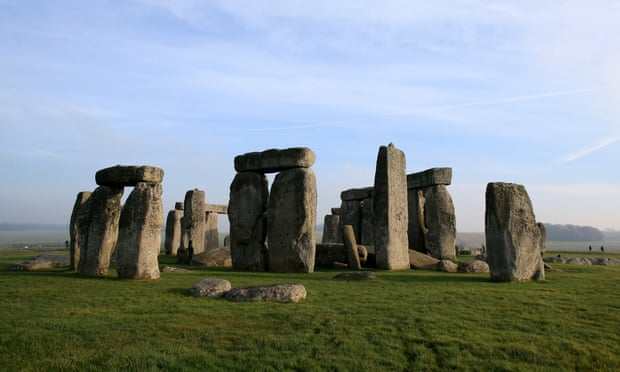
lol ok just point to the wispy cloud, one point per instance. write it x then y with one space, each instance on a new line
588 150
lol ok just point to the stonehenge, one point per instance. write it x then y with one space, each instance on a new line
273 229
103 225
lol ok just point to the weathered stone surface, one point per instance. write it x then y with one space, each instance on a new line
212 235
350 245
417 229
514 241
43 262
440 220
100 230
336 211
275 160
218 257
607 261
473 266
328 253
351 214
194 220
331 229
421 261
249 194
390 213
179 206
172 269
291 221
139 236
78 216
128 175
447 266
216 208
357 194
173 232
429 177
211 287
366 233
356 275
273 293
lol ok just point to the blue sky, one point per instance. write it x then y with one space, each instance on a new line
524 92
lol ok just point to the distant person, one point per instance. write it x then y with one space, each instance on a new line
590 248
602 249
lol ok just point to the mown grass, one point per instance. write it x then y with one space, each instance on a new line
408 320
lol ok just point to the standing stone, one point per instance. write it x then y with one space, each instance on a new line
194 220
139 236
212 235
440 241
417 226
291 220
100 231
514 241
248 228
78 217
173 232
331 229
350 245
390 210
351 214
366 234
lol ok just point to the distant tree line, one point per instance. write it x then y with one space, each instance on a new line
572 233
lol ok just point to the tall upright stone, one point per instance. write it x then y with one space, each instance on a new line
331 229
439 216
247 206
174 229
100 231
367 234
291 221
139 236
417 225
514 241
212 235
194 220
78 217
390 210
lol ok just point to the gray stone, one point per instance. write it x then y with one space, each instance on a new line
440 220
218 257
249 194
331 229
336 211
139 236
275 160
356 275
212 235
78 216
606 261
350 245
128 175
43 262
172 269
447 266
366 233
100 230
211 287
421 261
328 253
390 210
273 293
417 229
179 206
351 214
173 232
291 221
216 208
194 220
514 241
473 266
357 194
429 177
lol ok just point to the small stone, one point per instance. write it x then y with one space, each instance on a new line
211 287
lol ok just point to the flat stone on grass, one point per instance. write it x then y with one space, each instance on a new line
273 293
211 287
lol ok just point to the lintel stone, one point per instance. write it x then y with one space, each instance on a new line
357 194
275 160
128 175
429 177
216 208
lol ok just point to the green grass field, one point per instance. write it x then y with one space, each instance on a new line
406 320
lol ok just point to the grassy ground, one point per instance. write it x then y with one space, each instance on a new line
408 320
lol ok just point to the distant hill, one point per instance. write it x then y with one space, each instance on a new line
573 233
32 227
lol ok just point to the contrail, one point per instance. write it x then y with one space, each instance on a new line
589 150
501 100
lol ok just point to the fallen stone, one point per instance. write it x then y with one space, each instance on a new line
275 160
172 269
606 261
43 262
356 275
447 266
473 266
421 261
429 177
272 293
339 265
128 175
211 287
218 257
